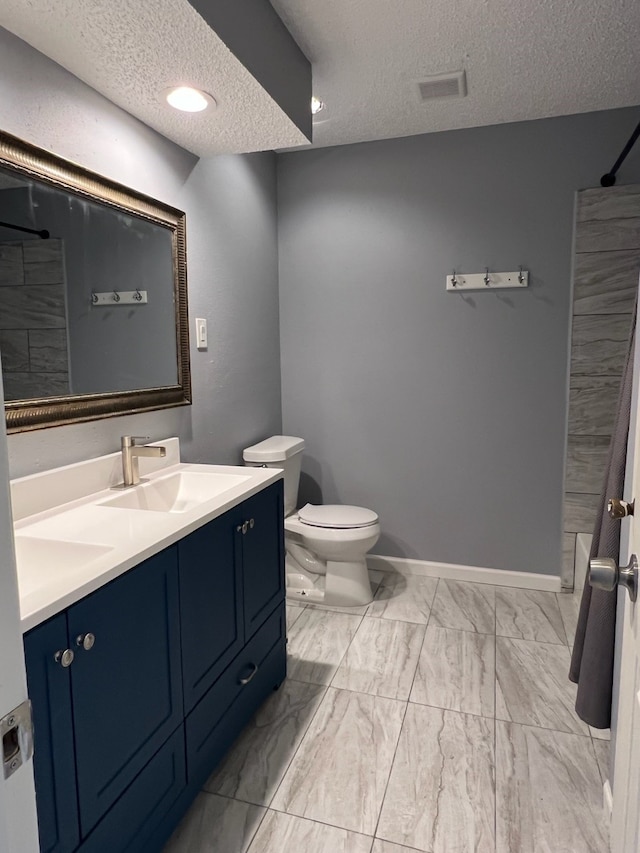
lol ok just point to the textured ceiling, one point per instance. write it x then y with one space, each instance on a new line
525 59
132 50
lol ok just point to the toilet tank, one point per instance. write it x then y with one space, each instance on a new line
279 451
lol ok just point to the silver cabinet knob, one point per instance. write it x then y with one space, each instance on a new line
618 508
64 657
251 523
604 573
87 641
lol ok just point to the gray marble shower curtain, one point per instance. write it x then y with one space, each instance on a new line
592 659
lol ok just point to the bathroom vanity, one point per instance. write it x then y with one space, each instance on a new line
144 667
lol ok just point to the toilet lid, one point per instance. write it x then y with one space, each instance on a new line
337 515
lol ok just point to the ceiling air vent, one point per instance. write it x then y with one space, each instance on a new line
444 86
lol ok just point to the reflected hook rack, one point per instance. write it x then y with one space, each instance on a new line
119 297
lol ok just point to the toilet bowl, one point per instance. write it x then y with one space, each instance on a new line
326 545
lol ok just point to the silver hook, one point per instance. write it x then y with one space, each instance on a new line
454 280
487 278
94 298
116 296
137 295
520 276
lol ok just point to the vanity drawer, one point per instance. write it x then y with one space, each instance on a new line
232 700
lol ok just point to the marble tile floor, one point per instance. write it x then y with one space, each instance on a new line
438 719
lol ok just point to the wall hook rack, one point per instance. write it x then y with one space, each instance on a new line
119 297
488 280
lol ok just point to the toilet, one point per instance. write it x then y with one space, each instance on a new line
326 545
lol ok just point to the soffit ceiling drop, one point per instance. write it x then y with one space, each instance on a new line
131 51
523 60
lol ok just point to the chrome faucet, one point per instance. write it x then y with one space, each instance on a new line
130 453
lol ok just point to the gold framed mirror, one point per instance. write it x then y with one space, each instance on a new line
93 294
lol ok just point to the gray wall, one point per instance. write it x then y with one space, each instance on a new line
232 263
446 414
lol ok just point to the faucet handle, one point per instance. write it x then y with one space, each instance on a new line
137 438
130 440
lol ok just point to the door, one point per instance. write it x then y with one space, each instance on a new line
18 822
625 819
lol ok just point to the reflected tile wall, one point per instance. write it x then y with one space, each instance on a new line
33 323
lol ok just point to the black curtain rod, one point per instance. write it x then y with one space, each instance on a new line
609 179
44 234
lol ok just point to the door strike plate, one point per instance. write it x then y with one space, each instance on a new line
16 731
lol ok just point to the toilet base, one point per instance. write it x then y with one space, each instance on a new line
346 584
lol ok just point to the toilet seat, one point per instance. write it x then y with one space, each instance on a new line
337 516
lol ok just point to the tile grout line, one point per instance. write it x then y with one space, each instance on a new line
306 731
424 639
320 823
404 716
297 749
330 684
393 761
244 802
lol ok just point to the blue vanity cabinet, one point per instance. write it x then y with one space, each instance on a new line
126 688
49 686
210 603
263 556
171 659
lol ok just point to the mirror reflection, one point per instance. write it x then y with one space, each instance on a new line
93 294
87 295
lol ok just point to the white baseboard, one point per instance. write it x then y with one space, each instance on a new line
451 571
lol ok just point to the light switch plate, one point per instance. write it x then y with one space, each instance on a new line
201 333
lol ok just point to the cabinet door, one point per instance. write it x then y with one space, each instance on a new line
210 604
142 808
126 690
49 686
263 556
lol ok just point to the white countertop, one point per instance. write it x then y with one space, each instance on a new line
103 541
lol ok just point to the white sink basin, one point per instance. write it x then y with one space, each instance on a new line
179 492
41 560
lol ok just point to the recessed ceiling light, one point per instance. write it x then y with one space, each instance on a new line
189 100
316 105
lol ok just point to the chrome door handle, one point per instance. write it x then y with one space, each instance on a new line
248 678
604 573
